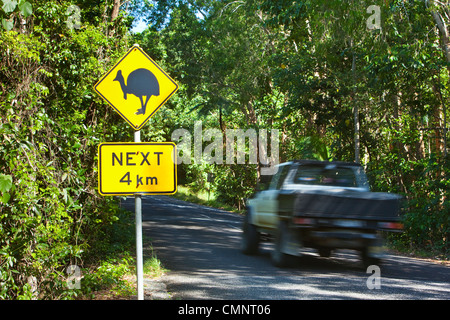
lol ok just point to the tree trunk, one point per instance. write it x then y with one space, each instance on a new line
115 11
114 15
440 23
445 38
355 111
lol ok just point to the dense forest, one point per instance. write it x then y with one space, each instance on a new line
363 81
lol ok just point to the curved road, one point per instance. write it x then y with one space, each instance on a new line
200 247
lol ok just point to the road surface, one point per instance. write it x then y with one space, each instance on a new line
200 247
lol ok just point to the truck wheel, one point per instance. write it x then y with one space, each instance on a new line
250 237
279 258
367 260
324 252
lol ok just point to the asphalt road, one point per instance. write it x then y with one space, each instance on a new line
200 247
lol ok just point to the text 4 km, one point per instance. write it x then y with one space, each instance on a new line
139 180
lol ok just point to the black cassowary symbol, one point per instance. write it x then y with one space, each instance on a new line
142 83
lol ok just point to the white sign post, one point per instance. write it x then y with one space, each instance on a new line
139 255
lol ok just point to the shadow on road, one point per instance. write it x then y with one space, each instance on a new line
200 247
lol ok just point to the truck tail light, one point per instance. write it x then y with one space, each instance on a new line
303 221
391 225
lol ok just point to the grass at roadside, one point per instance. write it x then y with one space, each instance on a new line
204 198
114 276
153 267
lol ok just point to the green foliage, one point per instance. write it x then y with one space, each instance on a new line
5 187
235 183
12 9
109 275
51 215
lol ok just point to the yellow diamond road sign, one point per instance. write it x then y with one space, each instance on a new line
136 87
137 168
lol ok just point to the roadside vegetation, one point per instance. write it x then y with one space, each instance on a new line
206 198
334 86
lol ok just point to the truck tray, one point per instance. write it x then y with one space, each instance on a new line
347 204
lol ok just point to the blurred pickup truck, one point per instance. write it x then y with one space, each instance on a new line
320 205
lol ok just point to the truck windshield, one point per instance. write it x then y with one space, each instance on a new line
325 176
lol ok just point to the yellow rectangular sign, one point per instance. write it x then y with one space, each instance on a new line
137 168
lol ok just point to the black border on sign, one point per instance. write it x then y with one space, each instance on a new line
134 193
137 127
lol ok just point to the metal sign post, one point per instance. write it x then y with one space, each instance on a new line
139 256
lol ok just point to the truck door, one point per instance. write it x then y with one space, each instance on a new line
267 203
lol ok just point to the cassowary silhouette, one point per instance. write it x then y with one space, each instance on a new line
142 83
